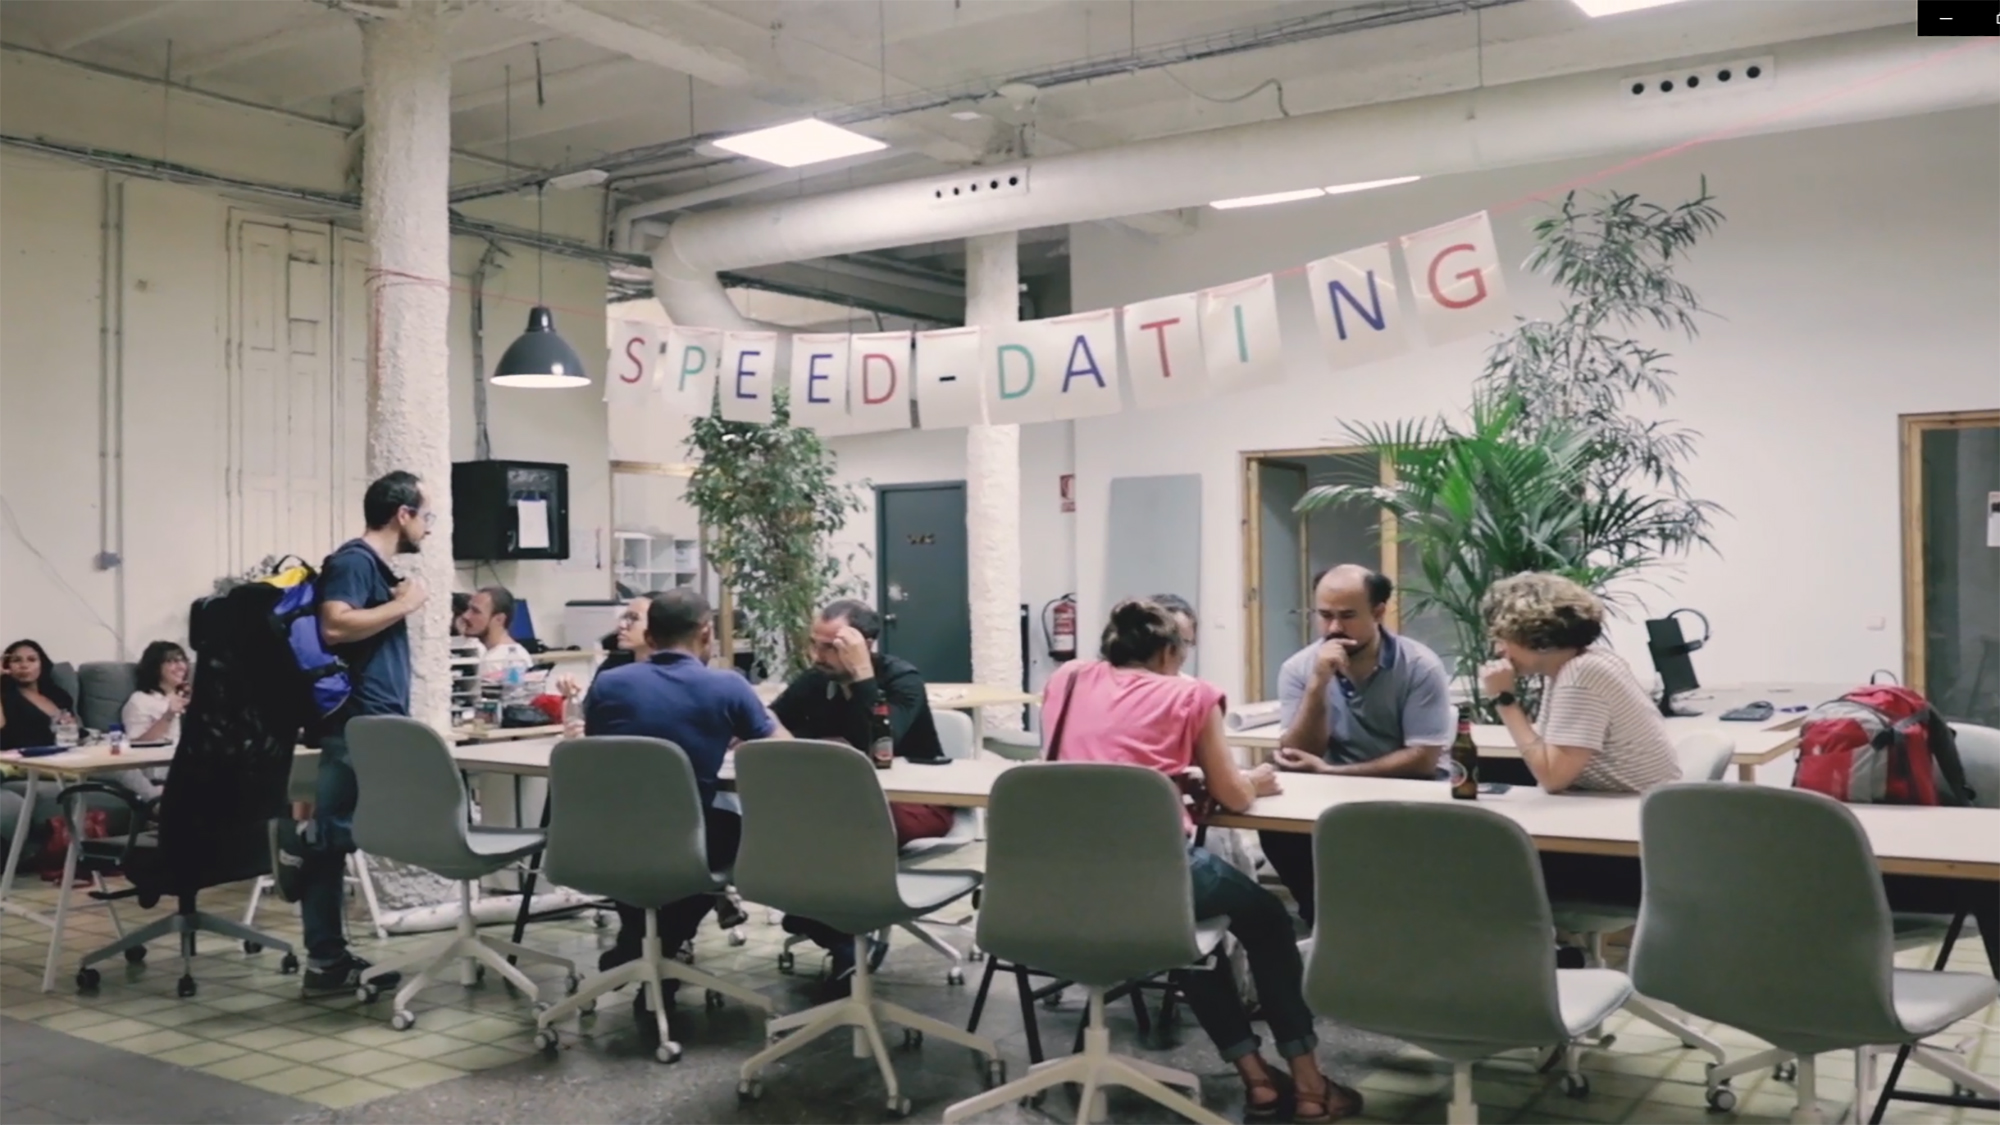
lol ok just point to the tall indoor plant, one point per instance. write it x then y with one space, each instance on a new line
771 504
1552 471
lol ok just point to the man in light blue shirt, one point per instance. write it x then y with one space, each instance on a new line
1362 701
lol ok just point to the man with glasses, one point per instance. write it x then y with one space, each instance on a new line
363 617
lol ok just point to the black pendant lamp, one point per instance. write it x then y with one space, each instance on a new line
540 359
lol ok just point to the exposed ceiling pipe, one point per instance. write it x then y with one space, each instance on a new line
621 225
1862 76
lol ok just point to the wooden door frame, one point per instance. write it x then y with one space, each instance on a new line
1912 428
1253 555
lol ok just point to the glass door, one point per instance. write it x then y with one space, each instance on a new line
1951 562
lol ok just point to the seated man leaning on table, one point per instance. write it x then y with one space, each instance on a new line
832 700
1362 702
674 695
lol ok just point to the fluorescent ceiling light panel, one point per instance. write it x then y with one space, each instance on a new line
800 143
1595 8
967 115
1265 200
1364 185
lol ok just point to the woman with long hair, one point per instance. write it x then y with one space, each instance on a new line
30 699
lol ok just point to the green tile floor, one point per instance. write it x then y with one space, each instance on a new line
248 1024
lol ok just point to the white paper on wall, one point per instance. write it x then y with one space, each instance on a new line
819 381
1456 281
635 354
948 365
745 379
1239 334
531 529
878 382
1163 354
1086 375
687 369
1021 370
1356 305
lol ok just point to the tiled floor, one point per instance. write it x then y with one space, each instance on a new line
246 1048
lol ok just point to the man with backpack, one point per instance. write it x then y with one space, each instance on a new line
363 619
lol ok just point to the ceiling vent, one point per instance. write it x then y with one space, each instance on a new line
1704 81
975 184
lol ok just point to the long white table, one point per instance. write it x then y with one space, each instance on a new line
1757 744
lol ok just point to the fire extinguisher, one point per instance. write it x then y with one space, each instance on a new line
1059 628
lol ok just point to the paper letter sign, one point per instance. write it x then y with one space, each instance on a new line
1088 345
1354 301
948 379
687 371
635 351
878 382
819 382
1023 371
1455 271
1239 335
1163 351
748 361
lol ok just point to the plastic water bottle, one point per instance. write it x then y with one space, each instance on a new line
116 737
516 692
67 733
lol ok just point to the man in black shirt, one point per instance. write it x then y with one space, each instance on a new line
833 700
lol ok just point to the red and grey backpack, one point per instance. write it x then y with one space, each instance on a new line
1880 745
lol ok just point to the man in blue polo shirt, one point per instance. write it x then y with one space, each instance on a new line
1362 702
674 695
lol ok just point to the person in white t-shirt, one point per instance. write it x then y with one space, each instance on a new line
153 713
488 616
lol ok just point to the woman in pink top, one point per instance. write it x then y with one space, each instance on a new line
1133 707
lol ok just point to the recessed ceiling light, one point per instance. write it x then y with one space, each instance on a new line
1595 8
967 115
800 143
1364 185
589 177
1265 200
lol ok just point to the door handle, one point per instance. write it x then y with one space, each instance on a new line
888 619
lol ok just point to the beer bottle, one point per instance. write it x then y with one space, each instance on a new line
1464 760
881 740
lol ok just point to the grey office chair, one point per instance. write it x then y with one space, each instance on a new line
625 823
1095 899
1979 753
1794 869
412 809
818 841
1450 917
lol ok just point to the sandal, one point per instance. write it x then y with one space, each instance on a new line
1278 1084
1348 1097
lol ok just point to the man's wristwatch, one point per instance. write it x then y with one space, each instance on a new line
1504 699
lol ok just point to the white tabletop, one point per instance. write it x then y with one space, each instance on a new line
86 760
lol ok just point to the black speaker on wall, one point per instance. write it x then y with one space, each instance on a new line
509 510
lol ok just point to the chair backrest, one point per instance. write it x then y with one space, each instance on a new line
1087 872
955 735
817 837
102 687
1444 904
1704 755
412 805
1764 910
625 821
1979 753
64 675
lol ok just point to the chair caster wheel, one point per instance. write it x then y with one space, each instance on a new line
912 1038
290 964
996 1073
667 1053
1958 1091
1786 1072
1721 1099
787 963
599 919
1052 1001
749 1090
253 947
1576 1086
367 993
184 987
711 999
403 1021
589 1009
136 955
897 1107
954 975
547 1041
975 954
738 937
571 983
86 980
685 954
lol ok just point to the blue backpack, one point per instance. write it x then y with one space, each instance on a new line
297 616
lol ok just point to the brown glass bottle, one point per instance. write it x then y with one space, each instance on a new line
1464 760
881 738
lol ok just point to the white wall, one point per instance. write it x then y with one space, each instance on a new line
1857 277
163 410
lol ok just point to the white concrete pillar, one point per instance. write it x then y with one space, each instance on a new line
406 181
993 489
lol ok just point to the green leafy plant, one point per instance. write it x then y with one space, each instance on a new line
1551 471
771 505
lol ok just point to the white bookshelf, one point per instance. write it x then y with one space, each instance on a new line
650 560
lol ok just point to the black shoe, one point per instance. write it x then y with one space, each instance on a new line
344 975
878 948
288 858
729 914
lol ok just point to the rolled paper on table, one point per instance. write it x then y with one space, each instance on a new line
1252 715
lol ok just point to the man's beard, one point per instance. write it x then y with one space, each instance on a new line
406 545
